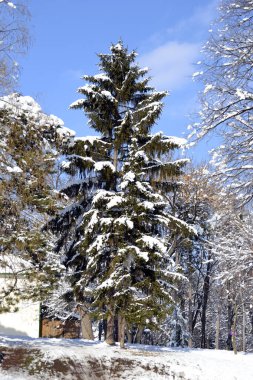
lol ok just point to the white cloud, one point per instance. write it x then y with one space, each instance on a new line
177 49
197 22
171 64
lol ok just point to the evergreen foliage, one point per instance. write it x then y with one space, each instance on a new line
28 155
116 235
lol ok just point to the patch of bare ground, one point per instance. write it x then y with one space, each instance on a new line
144 353
116 368
32 363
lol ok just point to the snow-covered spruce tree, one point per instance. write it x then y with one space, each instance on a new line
227 98
28 154
116 235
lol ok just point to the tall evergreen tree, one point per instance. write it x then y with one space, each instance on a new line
116 235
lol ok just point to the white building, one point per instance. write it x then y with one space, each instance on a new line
25 321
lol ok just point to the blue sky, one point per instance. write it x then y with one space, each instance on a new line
66 35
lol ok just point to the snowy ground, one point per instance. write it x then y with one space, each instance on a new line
85 360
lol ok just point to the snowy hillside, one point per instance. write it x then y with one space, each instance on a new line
86 360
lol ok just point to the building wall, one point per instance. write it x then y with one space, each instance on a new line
54 328
24 322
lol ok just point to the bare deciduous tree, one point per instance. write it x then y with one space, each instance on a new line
227 99
14 40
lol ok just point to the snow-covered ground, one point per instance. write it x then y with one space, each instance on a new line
81 359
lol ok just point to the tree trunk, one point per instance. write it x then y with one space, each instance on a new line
115 158
117 328
243 328
243 346
206 288
230 323
234 331
86 324
110 330
217 333
190 314
102 329
129 334
122 324
138 335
